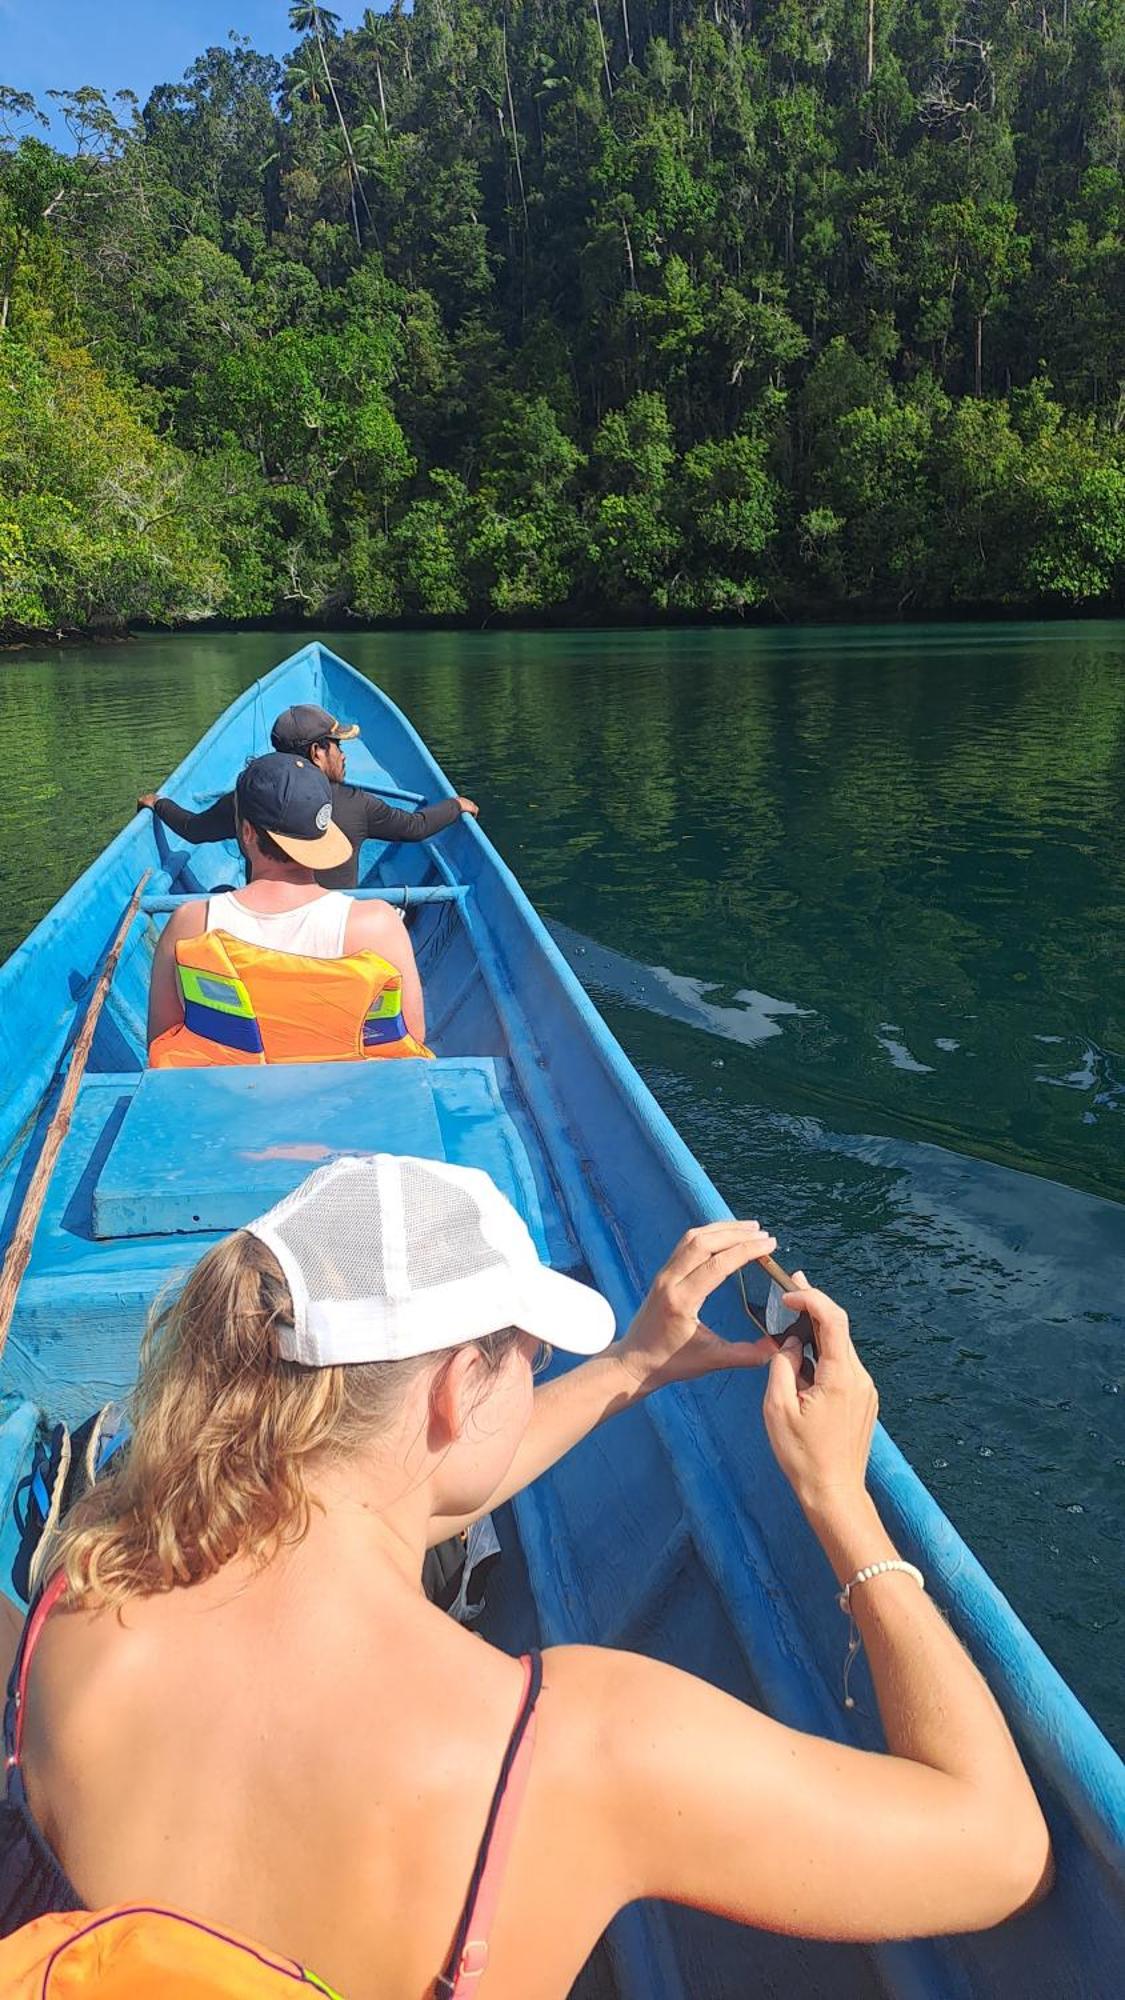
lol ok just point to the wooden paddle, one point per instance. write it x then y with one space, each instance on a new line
23 1235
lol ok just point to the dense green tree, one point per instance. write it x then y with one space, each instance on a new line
94 528
588 309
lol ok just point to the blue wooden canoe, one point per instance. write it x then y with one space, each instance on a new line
670 1531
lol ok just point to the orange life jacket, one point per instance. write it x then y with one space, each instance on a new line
244 1003
139 1953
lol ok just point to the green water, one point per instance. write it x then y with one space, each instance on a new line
854 901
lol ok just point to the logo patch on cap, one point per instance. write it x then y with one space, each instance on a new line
324 818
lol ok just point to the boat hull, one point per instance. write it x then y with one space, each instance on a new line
670 1531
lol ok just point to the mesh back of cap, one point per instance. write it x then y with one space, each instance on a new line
388 1257
444 1240
348 1246
336 1237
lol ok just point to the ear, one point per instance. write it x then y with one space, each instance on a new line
455 1389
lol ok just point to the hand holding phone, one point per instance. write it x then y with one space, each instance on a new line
775 1319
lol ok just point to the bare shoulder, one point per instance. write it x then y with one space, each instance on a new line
609 1679
375 926
646 1726
602 1752
611 1703
188 921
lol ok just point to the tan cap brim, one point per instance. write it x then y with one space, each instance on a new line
344 731
329 851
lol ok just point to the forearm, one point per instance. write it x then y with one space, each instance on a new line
215 824
567 1410
934 1705
564 1412
435 818
392 824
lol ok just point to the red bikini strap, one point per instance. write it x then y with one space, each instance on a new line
474 1954
32 1633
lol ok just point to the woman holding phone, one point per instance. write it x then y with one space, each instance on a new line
243 1707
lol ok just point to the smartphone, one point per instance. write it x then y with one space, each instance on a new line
776 1319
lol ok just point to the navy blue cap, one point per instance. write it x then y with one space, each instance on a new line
291 800
297 729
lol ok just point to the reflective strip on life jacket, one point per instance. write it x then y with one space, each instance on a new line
218 1008
383 1022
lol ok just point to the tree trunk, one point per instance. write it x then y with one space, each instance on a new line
8 280
357 187
870 40
382 98
977 355
628 36
515 136
605 51
633 285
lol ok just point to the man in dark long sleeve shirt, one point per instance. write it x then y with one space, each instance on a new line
361 815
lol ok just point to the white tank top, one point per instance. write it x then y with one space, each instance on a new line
315 929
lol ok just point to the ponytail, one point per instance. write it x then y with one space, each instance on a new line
223 1432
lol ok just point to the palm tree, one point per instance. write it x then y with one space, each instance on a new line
303 79
371 32
341 171
307 18
370 141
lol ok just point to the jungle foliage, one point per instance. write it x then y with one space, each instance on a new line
575 308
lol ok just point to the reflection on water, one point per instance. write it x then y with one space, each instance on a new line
915 839
748 1017
900 1055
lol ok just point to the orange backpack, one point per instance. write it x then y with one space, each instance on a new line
136 1952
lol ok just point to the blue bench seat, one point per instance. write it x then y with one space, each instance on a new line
157 1166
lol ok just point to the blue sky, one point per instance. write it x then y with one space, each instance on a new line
131 44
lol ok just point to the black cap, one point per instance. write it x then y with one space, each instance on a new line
288 798
299 727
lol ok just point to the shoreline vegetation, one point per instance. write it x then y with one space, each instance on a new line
619 315
810 617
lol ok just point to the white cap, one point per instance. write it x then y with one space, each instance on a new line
387 1257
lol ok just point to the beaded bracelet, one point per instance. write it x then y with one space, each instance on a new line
845 1603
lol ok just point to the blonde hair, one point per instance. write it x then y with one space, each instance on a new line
223 1435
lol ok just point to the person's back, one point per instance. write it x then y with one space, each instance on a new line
213 1003
295 1746
316 928
228 1751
